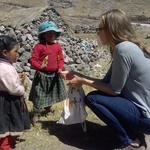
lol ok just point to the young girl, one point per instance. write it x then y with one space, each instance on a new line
122 98
14 116
47 58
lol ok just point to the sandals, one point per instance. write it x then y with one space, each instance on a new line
132 147
142 146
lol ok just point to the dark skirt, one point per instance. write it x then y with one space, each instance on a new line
14 115
47 89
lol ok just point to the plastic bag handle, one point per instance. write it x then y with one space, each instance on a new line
83 124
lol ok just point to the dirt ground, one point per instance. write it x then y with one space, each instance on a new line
47 134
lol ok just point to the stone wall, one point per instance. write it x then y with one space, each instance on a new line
79 54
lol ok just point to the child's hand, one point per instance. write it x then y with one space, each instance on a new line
67 75
59 70
23 79
44 63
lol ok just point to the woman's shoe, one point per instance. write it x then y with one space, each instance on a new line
142 146
132 147
142 140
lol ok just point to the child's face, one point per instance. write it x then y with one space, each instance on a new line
50 36
12 55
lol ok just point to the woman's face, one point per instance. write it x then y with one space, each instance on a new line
12 55
50 36
102 35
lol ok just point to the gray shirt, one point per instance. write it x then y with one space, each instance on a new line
129 75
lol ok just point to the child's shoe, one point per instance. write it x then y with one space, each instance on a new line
35 119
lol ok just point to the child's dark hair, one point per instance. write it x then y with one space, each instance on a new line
7 42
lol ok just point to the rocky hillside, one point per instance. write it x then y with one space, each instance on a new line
79 54
77 18
74 11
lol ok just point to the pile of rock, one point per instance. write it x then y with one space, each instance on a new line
79 54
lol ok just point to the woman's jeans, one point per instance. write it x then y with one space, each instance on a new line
120 114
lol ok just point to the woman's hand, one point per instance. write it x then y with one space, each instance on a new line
76 81
75 78
67 75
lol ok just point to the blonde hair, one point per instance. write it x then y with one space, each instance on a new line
118 28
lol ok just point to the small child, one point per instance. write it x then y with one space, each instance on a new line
47 58
14 116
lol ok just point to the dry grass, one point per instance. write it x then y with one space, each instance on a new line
48 133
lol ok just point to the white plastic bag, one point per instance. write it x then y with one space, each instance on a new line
74 108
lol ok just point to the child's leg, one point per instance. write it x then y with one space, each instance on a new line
36 115
36 111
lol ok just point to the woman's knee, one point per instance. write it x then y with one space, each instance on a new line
87 99
90 98
97 97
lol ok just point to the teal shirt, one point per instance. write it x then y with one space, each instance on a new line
129 75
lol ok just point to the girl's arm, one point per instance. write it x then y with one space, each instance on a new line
11 82
34 60
60 59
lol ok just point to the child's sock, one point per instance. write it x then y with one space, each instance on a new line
4 143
